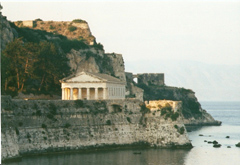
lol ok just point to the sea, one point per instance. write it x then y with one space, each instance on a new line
202 153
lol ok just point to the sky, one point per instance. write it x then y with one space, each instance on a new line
206 32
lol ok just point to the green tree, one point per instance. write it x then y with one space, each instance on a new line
18 58
50 66
33 67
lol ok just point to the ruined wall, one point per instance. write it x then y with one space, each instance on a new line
132 91
28 23
40 126
151 78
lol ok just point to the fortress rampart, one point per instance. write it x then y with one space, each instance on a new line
41 126
147 78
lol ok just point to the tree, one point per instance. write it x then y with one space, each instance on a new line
50 67
19 59
33 67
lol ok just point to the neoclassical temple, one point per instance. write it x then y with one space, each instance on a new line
92 86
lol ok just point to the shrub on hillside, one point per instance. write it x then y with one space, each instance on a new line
72 28
51 27
181 130
108 122
78 21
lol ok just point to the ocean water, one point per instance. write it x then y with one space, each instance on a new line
202 153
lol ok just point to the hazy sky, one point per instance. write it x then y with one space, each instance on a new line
158 32
206 31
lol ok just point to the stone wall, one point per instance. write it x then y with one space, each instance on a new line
151 78
28 23
41 126
132 91
157 104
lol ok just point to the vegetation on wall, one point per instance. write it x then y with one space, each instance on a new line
168 112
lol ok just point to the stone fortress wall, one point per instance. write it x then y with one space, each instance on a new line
28 23
147 78
143 78
42 126
150 78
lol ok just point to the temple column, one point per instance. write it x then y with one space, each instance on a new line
88 93
104 93
63 93
71 93
96 93
79 93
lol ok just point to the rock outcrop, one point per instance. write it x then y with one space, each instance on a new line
191 108
6 32
41 126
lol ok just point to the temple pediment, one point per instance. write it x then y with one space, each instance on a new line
90 77
84 78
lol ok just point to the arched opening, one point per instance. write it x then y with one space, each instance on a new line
135 80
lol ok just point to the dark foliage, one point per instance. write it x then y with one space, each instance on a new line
79 103
78 21
108 122
67 125
144 109
72 28
44 126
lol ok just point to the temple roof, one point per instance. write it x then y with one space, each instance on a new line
90 77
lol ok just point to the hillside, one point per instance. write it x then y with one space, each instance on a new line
77 29
67 51
47 55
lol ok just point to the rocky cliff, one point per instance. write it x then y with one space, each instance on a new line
6 32
39 126
192 110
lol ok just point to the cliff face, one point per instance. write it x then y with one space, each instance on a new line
6 33
96 61
34 126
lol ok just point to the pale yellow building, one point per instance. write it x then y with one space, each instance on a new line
92 86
